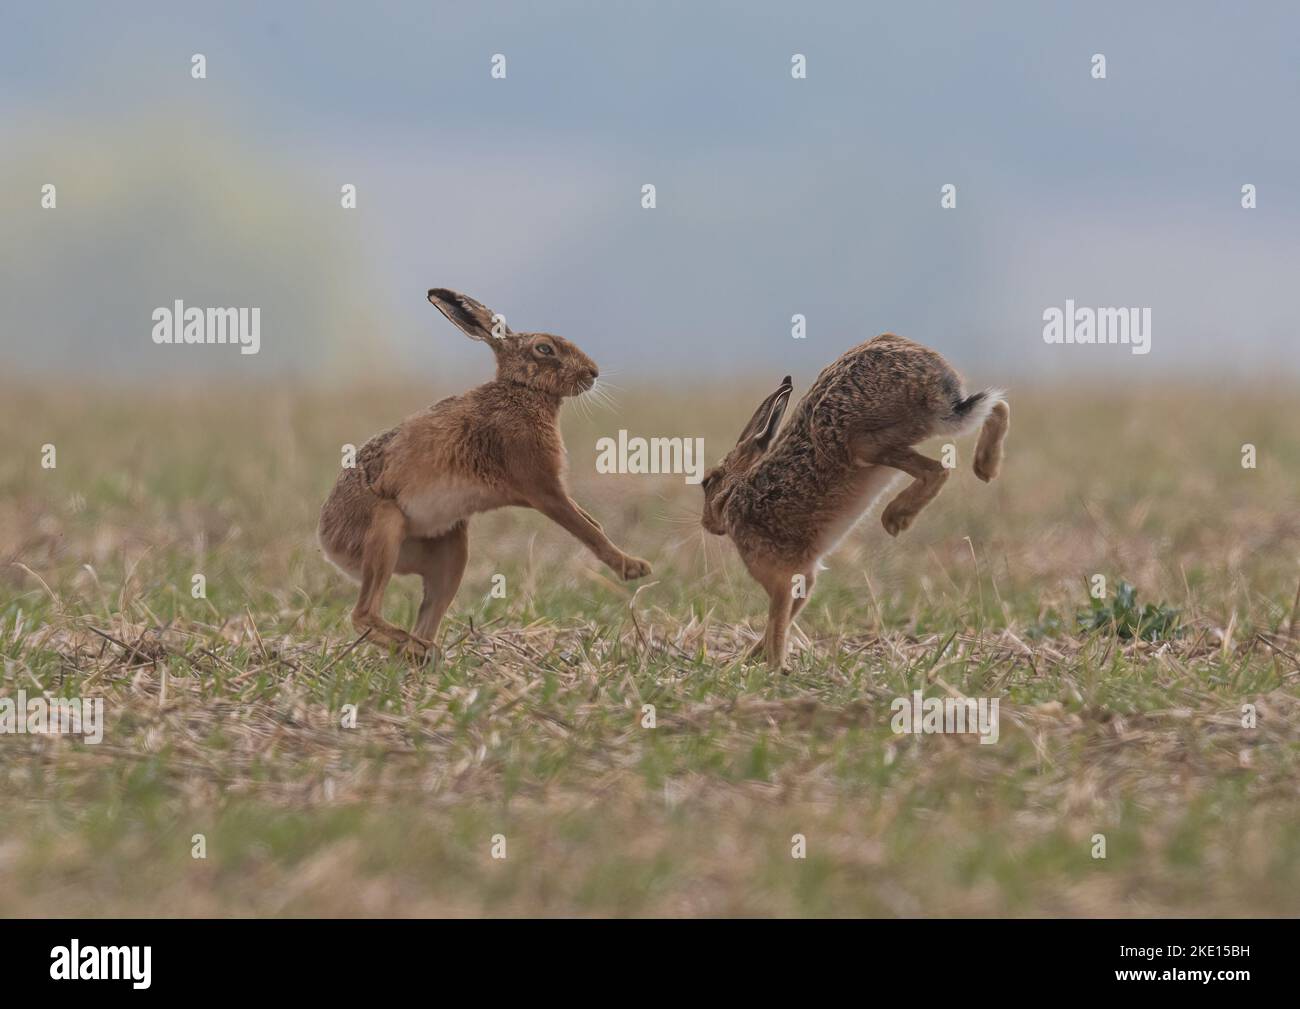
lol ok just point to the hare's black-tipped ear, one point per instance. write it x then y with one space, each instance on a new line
469 316
762 427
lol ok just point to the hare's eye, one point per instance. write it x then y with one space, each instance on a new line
545 349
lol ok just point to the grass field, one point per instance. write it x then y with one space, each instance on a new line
224 714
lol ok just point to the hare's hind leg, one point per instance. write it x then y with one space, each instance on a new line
379 553
988 450
441 563
928 476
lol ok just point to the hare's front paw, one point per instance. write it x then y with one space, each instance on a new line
895 520
635 567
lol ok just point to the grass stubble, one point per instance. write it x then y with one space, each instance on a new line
225 714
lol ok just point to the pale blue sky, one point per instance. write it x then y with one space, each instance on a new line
776 196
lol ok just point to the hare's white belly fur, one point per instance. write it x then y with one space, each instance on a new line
875 482
437 506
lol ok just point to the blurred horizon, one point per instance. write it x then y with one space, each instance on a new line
775 196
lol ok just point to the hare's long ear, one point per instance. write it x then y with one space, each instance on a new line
469 316
762 427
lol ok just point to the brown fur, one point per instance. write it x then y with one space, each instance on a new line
786 500
405 507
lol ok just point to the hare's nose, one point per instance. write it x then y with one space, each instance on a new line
593 372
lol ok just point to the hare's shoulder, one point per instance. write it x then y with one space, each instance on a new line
448 406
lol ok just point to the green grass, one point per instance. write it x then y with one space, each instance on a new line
223 714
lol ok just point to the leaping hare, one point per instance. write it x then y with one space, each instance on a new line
787 500
405 507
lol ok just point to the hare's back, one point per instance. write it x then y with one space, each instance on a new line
890 380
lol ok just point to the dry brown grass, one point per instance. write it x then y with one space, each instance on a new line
224 713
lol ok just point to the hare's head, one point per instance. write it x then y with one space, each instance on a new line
540 361
754 441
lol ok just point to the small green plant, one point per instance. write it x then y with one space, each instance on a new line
1049 625
1122 613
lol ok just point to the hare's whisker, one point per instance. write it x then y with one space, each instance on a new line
600 395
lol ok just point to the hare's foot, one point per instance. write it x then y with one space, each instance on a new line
896 518
929 477
417 650
382 633
988 459
988 450
634 567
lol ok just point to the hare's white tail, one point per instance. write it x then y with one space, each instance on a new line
989 412
969 413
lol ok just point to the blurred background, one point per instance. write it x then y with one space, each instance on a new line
775 196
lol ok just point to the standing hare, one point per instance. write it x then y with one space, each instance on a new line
787 500
405 507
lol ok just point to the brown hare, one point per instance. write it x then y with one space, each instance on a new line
786 500
405 507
